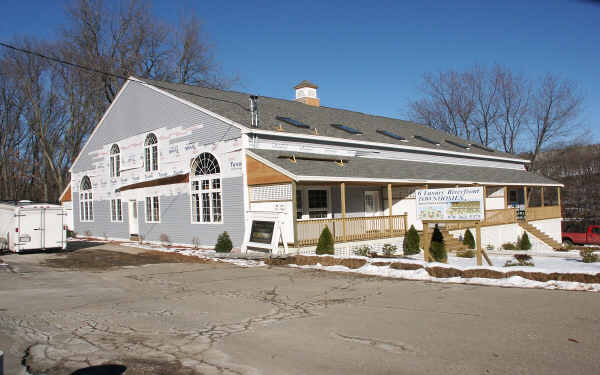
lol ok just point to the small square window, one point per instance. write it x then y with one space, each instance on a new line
205 185
216 183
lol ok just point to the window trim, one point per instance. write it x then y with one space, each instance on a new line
210 191
152 211
114 163
85 201
118 217
150 162
305 209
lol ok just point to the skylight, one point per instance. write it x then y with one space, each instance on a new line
466 147
390 134
425 139
481 147
291 121
346 129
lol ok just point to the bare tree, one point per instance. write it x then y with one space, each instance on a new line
512 108
555 107
48 109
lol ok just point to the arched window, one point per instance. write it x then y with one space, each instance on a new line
205 180
151 150
115 161
86 207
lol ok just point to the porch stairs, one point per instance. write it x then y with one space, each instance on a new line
451 243
540 235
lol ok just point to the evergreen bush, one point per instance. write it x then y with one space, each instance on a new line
524 242
224 244
588 256
326 242
437 249
469 240
389 249
411 242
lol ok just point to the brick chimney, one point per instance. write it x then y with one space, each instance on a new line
306 92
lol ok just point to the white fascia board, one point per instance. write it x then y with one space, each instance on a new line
188 103
99 123
377 144
272 165
411 181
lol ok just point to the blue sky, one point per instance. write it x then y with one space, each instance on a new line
370 56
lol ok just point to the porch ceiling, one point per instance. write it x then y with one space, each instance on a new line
307 167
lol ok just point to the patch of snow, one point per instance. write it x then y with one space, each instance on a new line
422 275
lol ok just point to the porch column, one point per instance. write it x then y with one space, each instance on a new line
525 197
484 199
558 198
505 197
542 196
343 199
478 242
294 213
389 192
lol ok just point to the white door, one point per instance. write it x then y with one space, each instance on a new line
133 217
372 204
372 209
31 225
53 231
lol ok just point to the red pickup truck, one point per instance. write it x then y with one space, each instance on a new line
591 237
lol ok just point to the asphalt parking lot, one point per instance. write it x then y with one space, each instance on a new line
159 313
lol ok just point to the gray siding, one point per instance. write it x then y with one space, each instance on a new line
101 226
140 109
175 218
355 200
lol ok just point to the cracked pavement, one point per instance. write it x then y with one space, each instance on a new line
58 314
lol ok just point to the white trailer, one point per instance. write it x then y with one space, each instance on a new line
32 226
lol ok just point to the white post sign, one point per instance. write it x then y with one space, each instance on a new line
450 204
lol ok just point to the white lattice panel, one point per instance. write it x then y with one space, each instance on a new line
282 192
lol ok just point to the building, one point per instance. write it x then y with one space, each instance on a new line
179 163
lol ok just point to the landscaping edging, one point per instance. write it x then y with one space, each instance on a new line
435 271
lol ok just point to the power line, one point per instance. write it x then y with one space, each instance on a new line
105 73
98 71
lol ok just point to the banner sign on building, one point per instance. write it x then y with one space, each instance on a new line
450 204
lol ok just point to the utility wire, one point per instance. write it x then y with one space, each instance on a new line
105 73
98 71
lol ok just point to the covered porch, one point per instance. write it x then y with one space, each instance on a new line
355 211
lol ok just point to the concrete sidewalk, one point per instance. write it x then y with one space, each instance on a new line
62 312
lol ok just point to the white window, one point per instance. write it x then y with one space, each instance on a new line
318 203
86 207
313 203
205 181
115 161
152 210
116 210
151 152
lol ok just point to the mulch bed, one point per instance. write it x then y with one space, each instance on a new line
436 271
93 259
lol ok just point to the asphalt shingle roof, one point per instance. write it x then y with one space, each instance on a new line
360 167
235 106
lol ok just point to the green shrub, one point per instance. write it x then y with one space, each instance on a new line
70 234
362 251
509 246
489 247
224 244
325 245
467 253
389 249
524 242
437 249
469 240
588 256
521 261
411 242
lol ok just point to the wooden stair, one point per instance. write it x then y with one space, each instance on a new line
540 235
452 243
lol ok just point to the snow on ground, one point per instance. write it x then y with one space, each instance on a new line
563 262
422 275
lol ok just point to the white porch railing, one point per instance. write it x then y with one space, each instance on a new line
352 228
